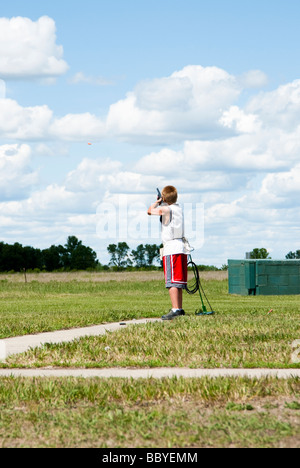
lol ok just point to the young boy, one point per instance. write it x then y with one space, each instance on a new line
174 255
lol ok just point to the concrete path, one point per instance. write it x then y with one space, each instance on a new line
15 345
156 373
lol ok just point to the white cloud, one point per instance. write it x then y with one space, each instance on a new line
193 103
38 123
16 176
80 77
28 49
129 182
187 104
284 187
164 94
104 177
234 222
77 127
2 89
265 152
46 206
240 121
254 79
23 123
88 176
279 108
242 161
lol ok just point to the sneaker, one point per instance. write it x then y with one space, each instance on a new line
173 314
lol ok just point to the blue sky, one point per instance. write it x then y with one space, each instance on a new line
202 95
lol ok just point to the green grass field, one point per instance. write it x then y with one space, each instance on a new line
183 413
223 412
241 334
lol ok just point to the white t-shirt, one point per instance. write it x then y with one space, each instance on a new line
172 231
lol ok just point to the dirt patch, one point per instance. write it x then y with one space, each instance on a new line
132 276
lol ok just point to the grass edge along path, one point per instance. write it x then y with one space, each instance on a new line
155 344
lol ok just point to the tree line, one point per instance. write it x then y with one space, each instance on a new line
142 257
293 255
264 254
71 256
74 256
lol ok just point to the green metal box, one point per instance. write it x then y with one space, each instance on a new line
264 277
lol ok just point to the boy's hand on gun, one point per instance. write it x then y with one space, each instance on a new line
153 207
156 204
159 197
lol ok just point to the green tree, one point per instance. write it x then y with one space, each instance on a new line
32 258
119 254
152 253
77 256
83 257
293 255
16 257
12 257
54 257
73 255
69 248
260 254
138 256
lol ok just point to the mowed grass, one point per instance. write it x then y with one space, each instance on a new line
149 413
46 305
54 301
116 413
242 333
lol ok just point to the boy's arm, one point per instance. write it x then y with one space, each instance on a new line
156 209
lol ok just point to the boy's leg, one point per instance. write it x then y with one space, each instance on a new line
175 269
176 297
176 301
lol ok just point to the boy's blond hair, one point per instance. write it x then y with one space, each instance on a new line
169 194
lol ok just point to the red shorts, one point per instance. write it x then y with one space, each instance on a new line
175 270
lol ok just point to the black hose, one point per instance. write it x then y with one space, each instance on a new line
196 285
